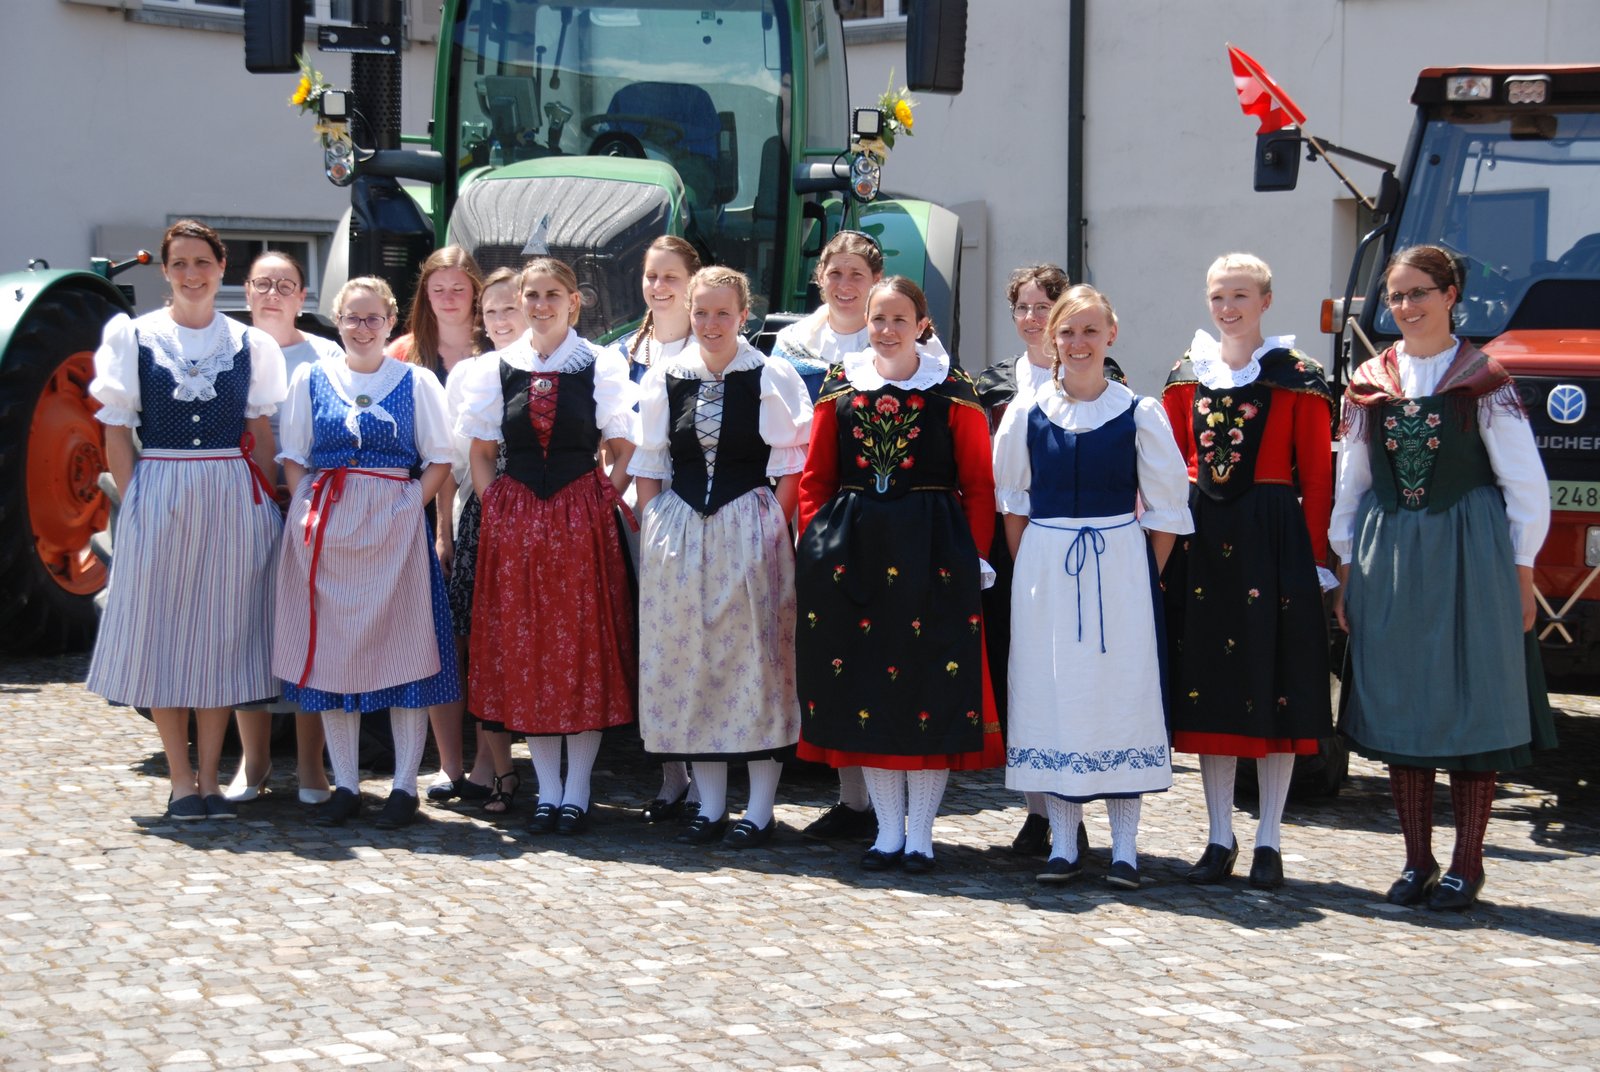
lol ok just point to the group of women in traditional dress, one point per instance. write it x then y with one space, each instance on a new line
816 530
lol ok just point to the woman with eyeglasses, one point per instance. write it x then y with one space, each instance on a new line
1441 506
275 293
185 624
363 622
442 330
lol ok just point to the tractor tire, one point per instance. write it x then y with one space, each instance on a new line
52 451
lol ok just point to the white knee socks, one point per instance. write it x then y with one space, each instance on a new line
1216 776
924 791
764 775
887 790
1065 815
713 779
1274 773
342 729
546 755
853 789
1124 812
409 725
582 750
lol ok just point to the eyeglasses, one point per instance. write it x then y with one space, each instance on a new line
1039 311
370 323
286 288
1396 298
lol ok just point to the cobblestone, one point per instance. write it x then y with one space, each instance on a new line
133 943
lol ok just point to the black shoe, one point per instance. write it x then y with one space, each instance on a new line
703 831
878 860
572 820
747 835
660 809
1083 840
843 821
1214 865
545 818
1454 893
1412 888
1057 871
398 811
220 807
1123 876
1266 869
917 863
337 809
1034 837
462 788
189 809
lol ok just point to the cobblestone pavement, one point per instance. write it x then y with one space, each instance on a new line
133 943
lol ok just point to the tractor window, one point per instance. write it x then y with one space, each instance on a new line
698 86
1515 196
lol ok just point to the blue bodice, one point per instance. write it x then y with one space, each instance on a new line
383 445
1083 474
165 423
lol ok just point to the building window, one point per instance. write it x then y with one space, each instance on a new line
858 12
318 12
245 246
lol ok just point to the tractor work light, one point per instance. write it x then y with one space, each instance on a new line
1527 88
1469 87
868 123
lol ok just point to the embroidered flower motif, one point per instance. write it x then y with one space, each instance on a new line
974 622
944 575
891 573
1433 442
1433 420
1215 419
811 618
1252 595
1390 423
1227 647
951 668
1200 594
1194 695
1411 409
1235 436
1202 405
858 433
1208 438
861 462
862 715
1227 401
838 572
1283 701
915 402
1248 410
858 402
886 440
972 717
811 708
838 667
922 721
1249 705
916 626
865 625
1390 445
913 433
888 405
894 673
1227 549
1284 602
907 462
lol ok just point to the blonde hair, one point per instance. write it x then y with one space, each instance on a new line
558 270
1245 264
719 275
373 285
685 252
1073 301
498 276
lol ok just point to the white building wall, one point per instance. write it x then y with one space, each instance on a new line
1168 155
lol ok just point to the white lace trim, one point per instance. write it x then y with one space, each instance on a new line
1076 415
689 365
1205 352
573 355
194 378
375 385
933 366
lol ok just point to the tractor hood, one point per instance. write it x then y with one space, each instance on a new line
1548 352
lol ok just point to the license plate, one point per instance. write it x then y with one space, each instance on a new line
1580 496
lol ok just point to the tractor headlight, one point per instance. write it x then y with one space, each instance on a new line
1468 87
865 176
1591 547
1527 88
337 162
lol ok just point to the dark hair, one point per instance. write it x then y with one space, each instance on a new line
193 229
691 260
278 254
899 284
1439 265
1047 277
862 245
422 325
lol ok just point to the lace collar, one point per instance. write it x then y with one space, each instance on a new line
573 355
194 368
364 392
1205 353
688 365
1077 415
933 366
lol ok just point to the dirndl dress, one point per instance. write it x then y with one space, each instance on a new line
552 623
1087 718
190 594
716 570
363 621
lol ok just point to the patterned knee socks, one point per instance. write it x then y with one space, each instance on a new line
1412 789
1065 815
342 730
1216 778
1273 774
887 788
1472 797
924 791
1124 812
409 725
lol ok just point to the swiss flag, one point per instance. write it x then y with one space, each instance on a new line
1260 96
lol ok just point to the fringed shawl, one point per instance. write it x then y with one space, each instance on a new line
1474 381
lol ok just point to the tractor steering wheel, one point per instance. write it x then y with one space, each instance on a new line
663 133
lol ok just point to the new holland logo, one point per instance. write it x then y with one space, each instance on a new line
1566 404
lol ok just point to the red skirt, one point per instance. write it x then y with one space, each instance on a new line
552 619
1244 747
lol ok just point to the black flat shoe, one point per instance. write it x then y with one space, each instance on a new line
878 860
1083 840
747 835
338 809
660 809
1413 887
398 811
1123 876
1454 893
572 820
545 818
1058 871
917 863
703 831
1034 837
1214 865
842 821
1266 869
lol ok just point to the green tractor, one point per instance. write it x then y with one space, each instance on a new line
580 129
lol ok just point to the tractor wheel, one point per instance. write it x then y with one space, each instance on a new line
52 451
